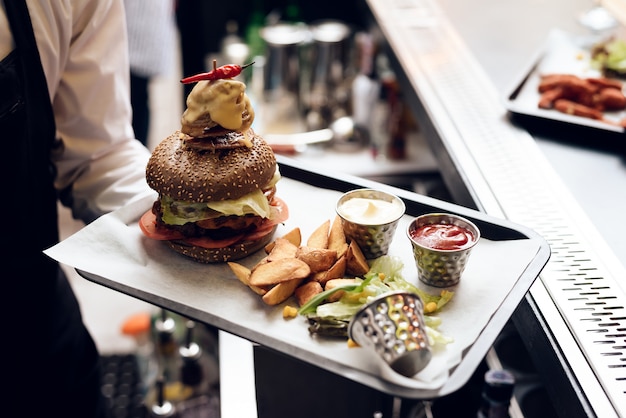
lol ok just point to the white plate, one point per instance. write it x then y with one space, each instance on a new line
562 53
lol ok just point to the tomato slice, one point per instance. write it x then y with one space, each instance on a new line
260 232
206 242
280 211
148 225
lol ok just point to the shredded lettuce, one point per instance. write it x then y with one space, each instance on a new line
385 275
437 337
610 55
176 212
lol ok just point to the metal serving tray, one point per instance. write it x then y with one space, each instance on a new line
112 252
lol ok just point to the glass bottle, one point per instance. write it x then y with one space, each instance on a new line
365 87
253 30
161 408
191 372
139 327
496 394
167 348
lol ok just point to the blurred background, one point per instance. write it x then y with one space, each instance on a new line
320 68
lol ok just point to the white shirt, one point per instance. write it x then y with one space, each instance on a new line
152 36
84 53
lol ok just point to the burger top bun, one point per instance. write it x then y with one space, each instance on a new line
183 171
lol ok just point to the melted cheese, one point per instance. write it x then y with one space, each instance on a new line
223 101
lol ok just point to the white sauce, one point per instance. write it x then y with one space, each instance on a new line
370 211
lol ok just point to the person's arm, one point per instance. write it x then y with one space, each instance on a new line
84 52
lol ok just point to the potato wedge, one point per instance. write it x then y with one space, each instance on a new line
356 263
337 238
336 271
332 283
243 274
283 248
281 292
319 276
294 236
319 237
318 259
282 270
306 291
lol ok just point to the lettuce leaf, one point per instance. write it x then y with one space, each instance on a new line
332 318
609 55
176 212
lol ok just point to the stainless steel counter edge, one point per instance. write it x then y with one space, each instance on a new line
491 165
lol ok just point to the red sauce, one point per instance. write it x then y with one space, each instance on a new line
443 236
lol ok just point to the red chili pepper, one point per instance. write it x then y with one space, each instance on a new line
225 71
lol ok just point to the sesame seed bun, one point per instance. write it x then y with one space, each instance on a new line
221 255
226 166
183 171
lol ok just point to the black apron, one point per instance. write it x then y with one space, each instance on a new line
51 358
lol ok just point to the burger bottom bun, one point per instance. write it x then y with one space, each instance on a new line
221 255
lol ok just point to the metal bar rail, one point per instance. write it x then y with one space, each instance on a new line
574 317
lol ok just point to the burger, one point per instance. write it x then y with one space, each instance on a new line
216 179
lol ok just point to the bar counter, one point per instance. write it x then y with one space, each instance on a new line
459 59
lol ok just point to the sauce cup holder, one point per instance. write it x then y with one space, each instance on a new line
370 217
392 326
442 244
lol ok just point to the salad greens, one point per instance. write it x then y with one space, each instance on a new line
177 212
610 55
385 275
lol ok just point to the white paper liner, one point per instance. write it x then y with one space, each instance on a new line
113 248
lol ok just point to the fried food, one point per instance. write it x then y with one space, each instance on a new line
306 291
318 259
548 97
577 109
293 269
283 248
336 271
281 270
611 99
331 284
337 238
356 263
585 97
319 237
243 274
294 236
281 292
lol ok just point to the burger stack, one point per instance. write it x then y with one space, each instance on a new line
216 178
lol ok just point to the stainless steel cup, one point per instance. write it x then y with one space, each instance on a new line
327 68
282 65
392 325
437 267
372 237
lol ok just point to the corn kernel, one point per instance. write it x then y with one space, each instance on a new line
289 312
430 307
352 343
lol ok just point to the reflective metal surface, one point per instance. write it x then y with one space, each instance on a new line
488 162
